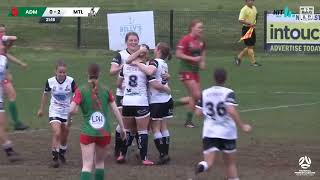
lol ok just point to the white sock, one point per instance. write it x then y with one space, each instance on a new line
204 164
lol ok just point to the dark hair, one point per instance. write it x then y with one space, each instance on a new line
93 71
131 34
146 46
193 23
220 75
60 63
165 50
2 25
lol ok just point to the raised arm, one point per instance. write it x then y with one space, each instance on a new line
136 54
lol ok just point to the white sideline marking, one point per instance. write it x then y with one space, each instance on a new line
244 110
279 107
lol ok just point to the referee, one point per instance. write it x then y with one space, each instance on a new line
248 18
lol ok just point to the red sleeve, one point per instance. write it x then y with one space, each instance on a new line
183 43
77 98
111 97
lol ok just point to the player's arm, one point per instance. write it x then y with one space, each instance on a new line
76 101
147 69
117 114
198 109
158 86
116 65
202 63
136 54
233 113
120 79
182 56
44 99
16 60
10 40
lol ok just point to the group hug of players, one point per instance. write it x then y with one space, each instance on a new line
143 103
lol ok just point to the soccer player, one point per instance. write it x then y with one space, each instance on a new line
160 99
95 100
61 88
248 18
5 45
6 143
218 106
191 51
132 42
135 102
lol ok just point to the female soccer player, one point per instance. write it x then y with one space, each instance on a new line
218 106
132 42
191 51
6 143
6 43
61 88
135 103
160 99
95 101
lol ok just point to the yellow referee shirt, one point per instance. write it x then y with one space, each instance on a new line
248 14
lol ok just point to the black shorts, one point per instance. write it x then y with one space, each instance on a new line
218 144
119 101
161 110
2 107
57 119
135 111
251 41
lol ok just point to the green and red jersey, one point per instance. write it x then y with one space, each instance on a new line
190 46
95 110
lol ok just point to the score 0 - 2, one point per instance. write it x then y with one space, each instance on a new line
52 16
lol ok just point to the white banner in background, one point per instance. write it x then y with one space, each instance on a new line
119 24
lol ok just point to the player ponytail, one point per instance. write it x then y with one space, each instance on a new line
93 73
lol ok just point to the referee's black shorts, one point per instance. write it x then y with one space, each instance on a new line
251 41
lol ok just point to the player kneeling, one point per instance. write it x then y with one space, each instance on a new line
217 105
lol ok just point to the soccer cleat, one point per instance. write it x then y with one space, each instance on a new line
256 64
237 61
20 127
199 168
55 163
62 159
163 160
121 159
13 156
147 162
189 124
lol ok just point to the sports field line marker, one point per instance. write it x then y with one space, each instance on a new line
280 107
244 110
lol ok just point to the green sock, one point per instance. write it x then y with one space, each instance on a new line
189 116
14 112
85 175
99 174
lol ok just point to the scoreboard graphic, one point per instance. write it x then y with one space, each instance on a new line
53 14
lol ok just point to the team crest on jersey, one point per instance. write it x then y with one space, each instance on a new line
54 88
67 88
97 120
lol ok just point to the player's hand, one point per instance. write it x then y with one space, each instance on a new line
123 134
165 76
168 89
246 128
197 59
40 113
24 65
